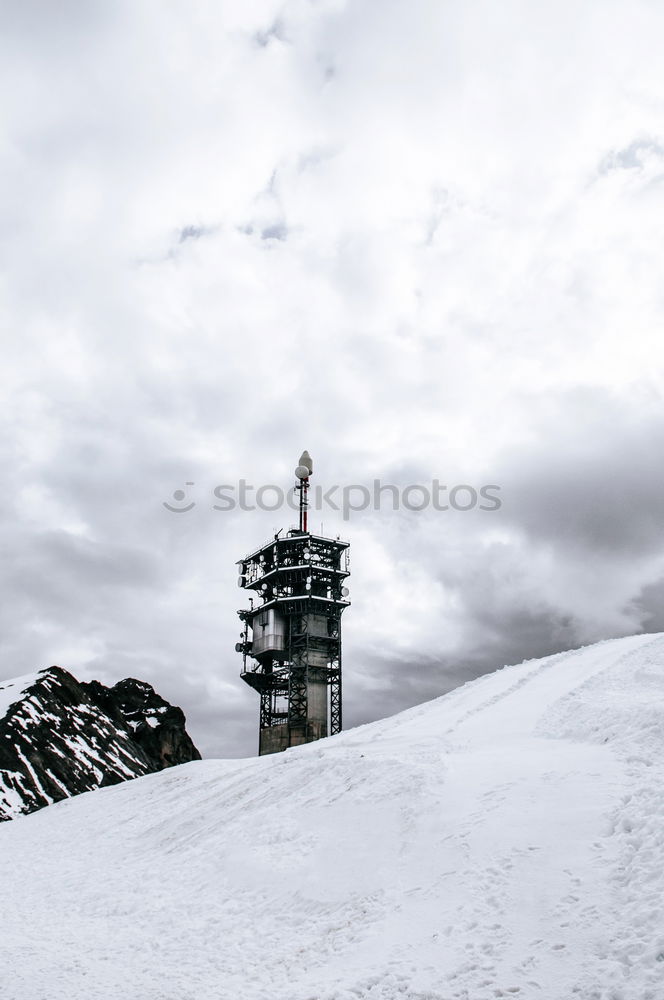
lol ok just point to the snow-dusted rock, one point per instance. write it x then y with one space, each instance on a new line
60 737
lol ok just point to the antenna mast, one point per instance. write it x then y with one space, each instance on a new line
304 469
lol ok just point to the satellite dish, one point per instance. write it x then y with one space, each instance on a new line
302 472
306 553
305 459
241 581
345 591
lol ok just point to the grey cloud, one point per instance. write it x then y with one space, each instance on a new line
649 603
277 231
36 20
524 629
631 157
591 481
276 31
192 232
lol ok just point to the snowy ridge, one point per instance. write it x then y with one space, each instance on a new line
13 690
59 737
502 841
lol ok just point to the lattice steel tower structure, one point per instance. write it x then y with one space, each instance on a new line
291 642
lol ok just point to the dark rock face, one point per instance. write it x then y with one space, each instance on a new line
60 737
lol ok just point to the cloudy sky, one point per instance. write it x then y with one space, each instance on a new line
421 239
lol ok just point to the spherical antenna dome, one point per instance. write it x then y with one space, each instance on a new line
302 472
305 459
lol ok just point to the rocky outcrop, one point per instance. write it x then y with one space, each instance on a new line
60 737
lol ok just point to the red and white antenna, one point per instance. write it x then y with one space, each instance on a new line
304 469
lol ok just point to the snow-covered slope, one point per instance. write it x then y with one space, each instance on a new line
505 840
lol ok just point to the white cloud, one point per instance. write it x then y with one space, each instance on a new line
412 233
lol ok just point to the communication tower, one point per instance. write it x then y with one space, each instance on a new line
291 642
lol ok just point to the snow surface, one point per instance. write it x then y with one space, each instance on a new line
505 840
13 690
